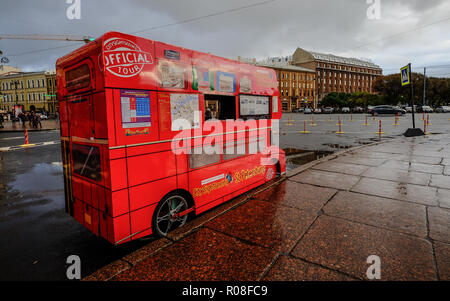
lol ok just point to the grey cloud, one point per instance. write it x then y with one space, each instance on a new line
277 28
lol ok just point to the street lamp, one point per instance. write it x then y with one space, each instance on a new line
16 82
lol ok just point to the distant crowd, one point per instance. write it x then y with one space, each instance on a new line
33 119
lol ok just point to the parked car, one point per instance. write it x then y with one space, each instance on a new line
327 110
299 110
443 109
408 109
402 111
318 111
386 110
43 116
358 110
424 109
307 111
345 110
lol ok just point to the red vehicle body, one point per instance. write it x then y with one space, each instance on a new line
118 96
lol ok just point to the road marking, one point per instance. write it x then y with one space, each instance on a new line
16 147
12 138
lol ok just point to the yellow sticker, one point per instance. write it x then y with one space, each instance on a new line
87 219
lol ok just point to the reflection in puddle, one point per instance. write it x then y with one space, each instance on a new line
43 177
298 157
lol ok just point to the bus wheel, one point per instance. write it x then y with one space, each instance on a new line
165 217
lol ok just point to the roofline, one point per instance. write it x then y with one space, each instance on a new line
286 67
23 74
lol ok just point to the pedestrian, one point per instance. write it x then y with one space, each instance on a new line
57 119
23 118
208 114
29 117
37 121
1 120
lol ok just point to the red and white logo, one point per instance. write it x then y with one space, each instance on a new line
124 58
270 174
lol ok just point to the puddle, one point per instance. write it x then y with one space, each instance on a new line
43 177
337 146
298 157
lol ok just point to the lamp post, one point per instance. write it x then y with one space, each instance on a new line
15 83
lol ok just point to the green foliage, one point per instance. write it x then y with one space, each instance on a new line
358 99
437 89
390 92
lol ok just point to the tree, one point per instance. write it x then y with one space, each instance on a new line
390 88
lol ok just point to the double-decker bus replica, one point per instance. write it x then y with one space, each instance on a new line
138 121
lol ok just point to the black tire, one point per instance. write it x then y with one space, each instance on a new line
162 220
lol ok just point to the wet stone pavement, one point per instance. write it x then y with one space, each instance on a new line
321 222
36 235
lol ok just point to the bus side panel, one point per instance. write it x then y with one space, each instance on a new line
142 169
81 121
151 193
78 209
100 123
118 174
120 229
109 112
64 118
67 171
141 221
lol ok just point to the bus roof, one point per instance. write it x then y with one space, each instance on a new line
130 61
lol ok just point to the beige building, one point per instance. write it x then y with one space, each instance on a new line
296 85
8 70
32 90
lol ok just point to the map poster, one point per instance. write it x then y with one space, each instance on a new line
184 106
135 108
253 105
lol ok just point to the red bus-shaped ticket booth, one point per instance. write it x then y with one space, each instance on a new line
139 119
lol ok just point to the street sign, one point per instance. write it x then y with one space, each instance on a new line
406 75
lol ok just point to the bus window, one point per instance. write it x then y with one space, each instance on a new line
254 107
235 149
86 161
220 107
78 78
257 144
203 159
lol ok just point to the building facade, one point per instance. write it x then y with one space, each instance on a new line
34 91
337 74
8 70
296 85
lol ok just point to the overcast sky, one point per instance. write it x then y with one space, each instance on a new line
272 28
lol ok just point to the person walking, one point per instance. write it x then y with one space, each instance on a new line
57 119
37 121
23 118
